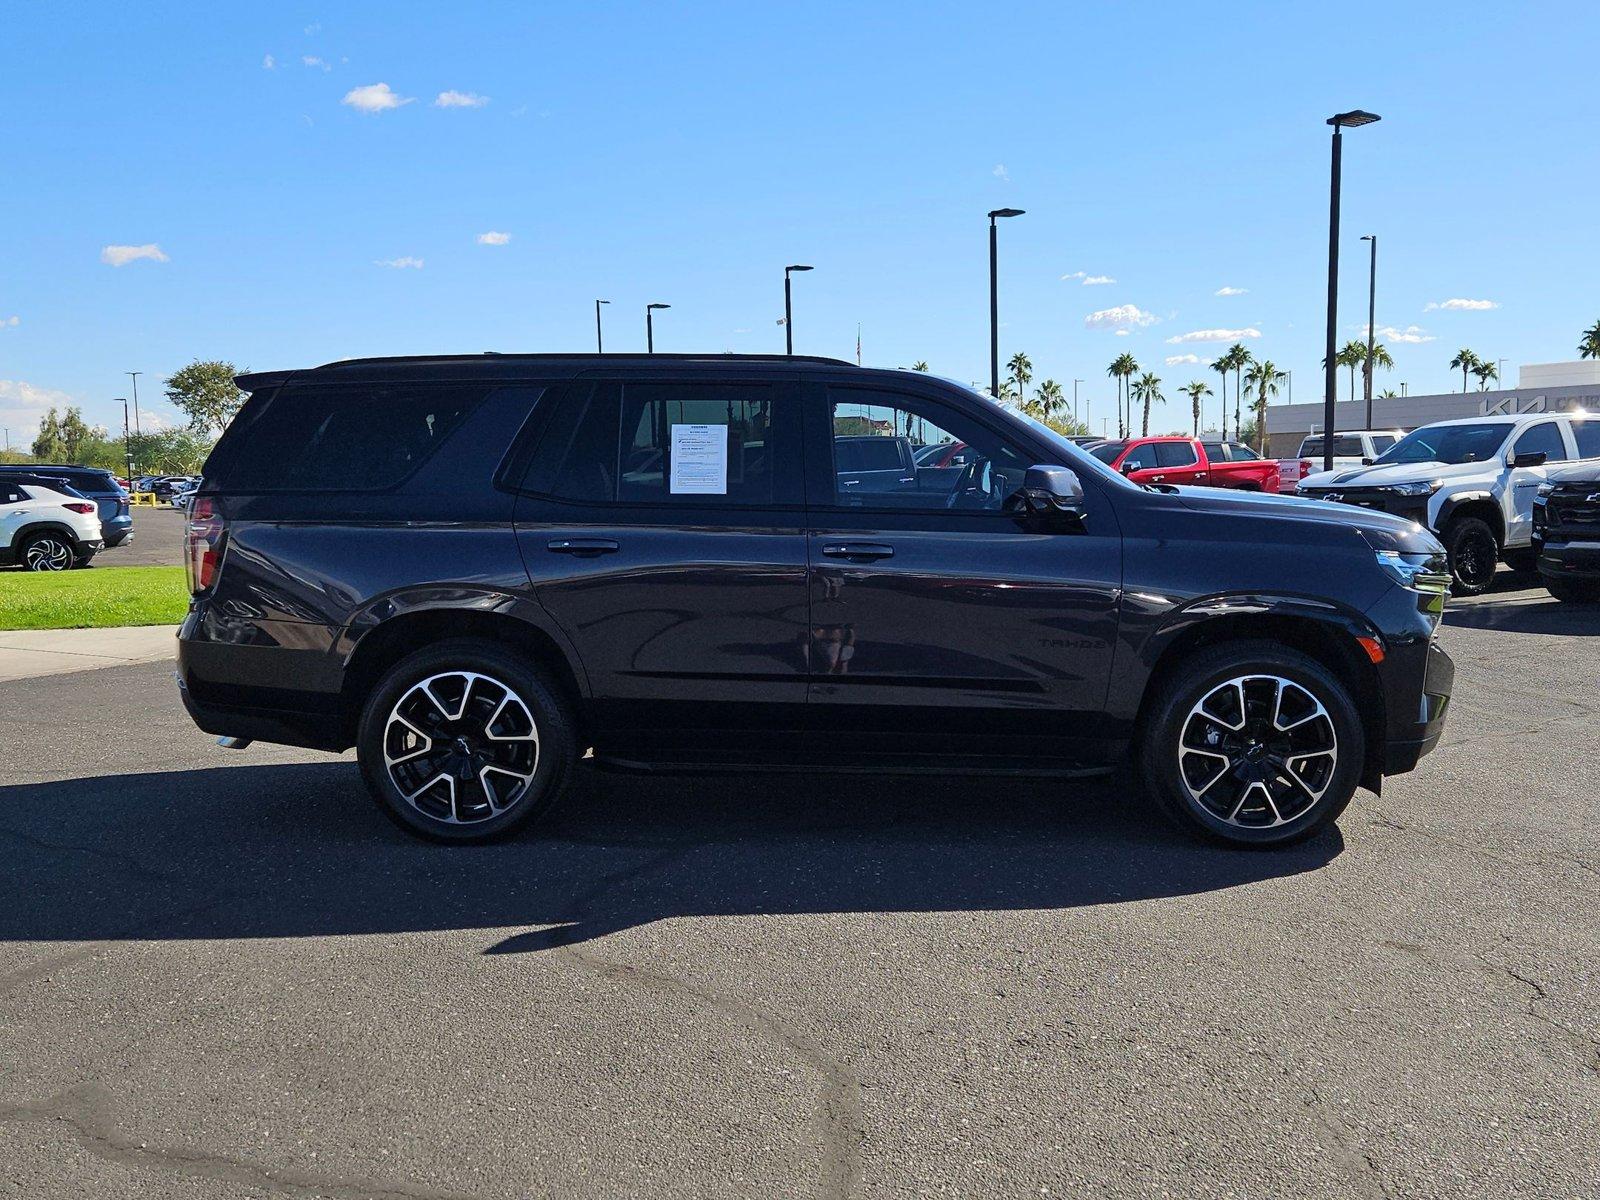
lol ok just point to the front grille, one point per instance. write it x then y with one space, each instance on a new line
1567 508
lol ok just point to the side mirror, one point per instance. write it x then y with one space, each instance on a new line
1129 466
1053 491
1531 458
1366 462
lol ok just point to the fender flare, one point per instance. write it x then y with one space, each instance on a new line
1246 604
38 527
1454 502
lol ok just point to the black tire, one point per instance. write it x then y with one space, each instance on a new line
1474 554
47 551
462 744
1573 591
1175 779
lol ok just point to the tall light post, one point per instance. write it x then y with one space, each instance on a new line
127 446
1372 316
1500 374
650 326
134 375
788 308
599 343
1075 384
1340 122
994 299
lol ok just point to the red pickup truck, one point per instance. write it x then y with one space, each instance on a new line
1184 460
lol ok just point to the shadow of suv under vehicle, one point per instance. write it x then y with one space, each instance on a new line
299 850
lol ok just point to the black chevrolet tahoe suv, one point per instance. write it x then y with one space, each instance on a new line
476 569
1566 532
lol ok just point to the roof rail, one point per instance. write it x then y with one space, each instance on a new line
569 357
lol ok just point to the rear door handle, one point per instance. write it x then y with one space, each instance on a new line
859 550
583 546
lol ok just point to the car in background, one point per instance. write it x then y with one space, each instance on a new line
46 525
1189 461
183 493
1566 526
1473 481
91 483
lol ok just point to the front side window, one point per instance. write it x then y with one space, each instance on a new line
1543 438
1140 458
1175 454
670 443
895 451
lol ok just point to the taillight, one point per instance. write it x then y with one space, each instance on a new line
203 544
86 509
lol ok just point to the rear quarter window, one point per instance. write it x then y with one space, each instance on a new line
340 437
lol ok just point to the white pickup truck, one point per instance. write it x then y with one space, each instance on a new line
1472 481
1351 448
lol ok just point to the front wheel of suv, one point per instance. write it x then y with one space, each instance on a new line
1474 554
1252 744
465 741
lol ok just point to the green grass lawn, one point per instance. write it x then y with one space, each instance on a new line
92 598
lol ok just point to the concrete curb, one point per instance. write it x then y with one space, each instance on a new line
30 652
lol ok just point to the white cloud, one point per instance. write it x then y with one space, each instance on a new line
455 99
374 98
1174 360
1460 305
1123 333
10 322
1124 316
314 28
1230 291
1413 334
121 256
1214 335
22 404
1076 275
493 238
402 262
1000 172
311 60
1092 280
268 62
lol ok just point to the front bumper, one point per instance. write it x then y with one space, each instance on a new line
1570 560
1416 678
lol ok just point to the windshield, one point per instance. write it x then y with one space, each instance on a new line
1448 444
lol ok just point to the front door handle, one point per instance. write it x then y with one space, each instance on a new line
858 550
587 546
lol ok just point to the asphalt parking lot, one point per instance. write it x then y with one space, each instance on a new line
225 974
157 541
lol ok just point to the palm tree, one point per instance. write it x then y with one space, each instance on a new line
1021 368
1380 358
1115 371
1222 366
1353 355
1195 389
1124 367
1466 360
1147 389
920 365
1264 377
1589 346
1388 394
1485 371
1050 399
1239 358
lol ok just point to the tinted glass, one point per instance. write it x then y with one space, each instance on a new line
1343 447
1107 452
668 443
10 493
1238 451
1448 444
1381 442
1546 438
1215 451
1588 435
1141 458
1175 454
345 438
973 470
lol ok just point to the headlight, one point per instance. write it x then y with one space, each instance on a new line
1545 489
1415 489
1418 572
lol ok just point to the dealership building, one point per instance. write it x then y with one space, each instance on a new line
1541 387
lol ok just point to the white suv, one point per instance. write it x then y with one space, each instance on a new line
1472 481
44 529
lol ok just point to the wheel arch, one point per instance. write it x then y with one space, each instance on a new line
1316 629
1474 504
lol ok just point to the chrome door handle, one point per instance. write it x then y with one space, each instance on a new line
587 546
859 550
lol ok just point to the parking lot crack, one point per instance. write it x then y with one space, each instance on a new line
1362 1166
84 1113
1538 1001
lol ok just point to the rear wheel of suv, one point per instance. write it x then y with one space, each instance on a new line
1252 744
1573 591
465 741
48 552
1474 554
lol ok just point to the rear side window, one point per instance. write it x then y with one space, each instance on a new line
1381 442
350 438
10 493
1239 452
1216 451
1587 434
1175 454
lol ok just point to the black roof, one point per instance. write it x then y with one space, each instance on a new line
493 363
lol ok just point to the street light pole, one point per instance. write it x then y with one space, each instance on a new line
788 308
1372 311
127 446
135 377
650 326
1075 384
994 299
599 344
1339 121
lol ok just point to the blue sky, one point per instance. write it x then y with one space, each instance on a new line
685 152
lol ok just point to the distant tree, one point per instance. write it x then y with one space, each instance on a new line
920 365
1021 371
47 446
1049 400
1264 378
206 394
1195 389
1388 394
1222 366
1238 358
1380 358
1485 371
1466 360
1126 366
1589 346
1148 389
